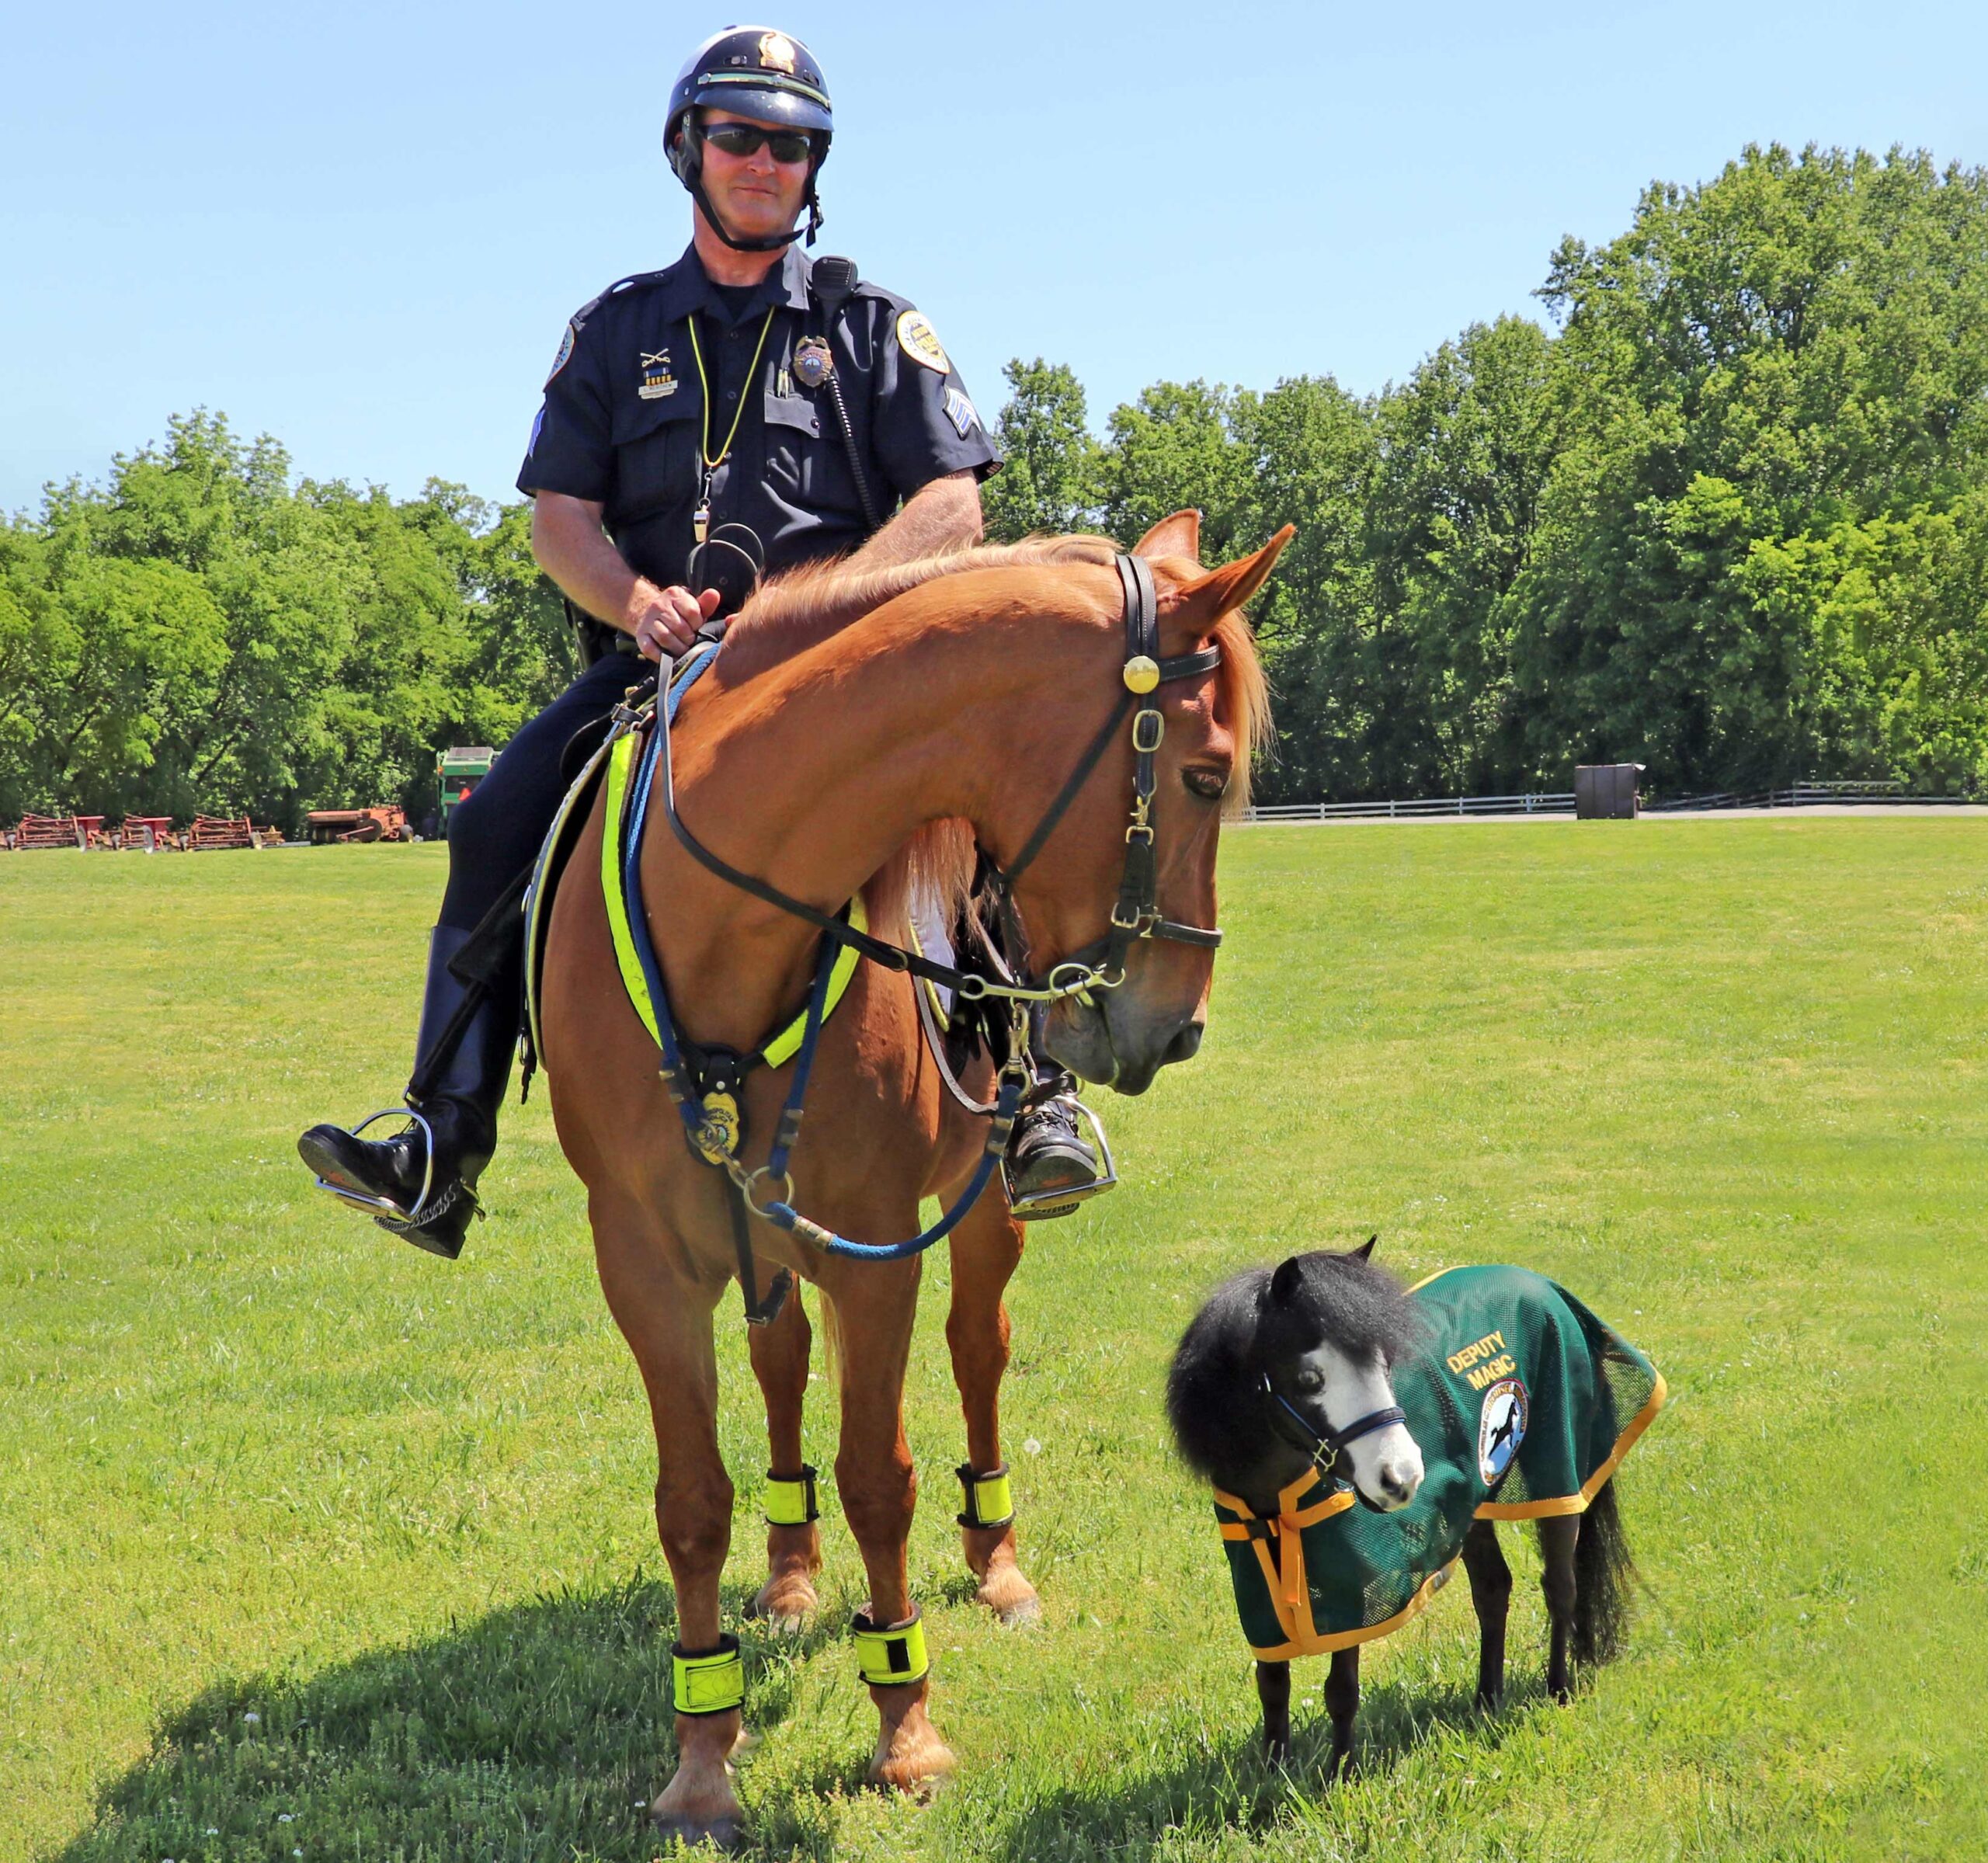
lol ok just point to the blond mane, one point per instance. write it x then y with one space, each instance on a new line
803 606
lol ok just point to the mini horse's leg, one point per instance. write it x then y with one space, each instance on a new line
1343 1703
986 1248
794 1552
666 1316
1557 1539
875 1481
1491 1593
1274 1691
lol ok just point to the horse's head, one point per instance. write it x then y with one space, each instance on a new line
1330 1328
1123 1035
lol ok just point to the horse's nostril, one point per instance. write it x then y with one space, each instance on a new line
1185 1046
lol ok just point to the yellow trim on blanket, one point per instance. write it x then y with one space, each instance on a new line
1554 1507
1315 1645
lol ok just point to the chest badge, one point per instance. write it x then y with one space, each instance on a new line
658 382
814 361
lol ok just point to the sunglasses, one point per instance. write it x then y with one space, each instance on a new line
744 139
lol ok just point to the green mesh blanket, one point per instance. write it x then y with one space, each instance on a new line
1522 1403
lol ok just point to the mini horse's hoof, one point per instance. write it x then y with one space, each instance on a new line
722 1832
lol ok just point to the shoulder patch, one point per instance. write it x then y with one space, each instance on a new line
918 341
962 412
565 351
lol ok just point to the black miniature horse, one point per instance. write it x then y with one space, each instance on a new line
1284 1369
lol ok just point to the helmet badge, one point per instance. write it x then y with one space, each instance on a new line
777 53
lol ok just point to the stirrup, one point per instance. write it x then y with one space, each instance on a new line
1045 1205
388 1213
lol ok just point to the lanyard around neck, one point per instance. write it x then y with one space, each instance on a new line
712 461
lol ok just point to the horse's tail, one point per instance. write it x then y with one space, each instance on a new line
831 1332
1602 1568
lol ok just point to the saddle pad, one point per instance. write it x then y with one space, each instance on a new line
1523 1404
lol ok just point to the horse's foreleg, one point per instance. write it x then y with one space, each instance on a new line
1491 1593
986 1248
1274 1691
876 1484
793 1548
1343 1703
1557 1538
666 1316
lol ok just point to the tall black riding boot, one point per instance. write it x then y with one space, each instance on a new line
427 1192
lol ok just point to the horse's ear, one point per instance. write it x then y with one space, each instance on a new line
1365 1251
1180 535
1284 1284
1189 613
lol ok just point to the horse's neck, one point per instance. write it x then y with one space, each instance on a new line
811 777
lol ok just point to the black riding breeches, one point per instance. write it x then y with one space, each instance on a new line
495 834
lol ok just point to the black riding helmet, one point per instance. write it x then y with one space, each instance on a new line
758 72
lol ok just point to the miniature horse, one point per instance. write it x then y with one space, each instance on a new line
848 718
1301 1391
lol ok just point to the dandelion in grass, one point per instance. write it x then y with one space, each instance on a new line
1031 1447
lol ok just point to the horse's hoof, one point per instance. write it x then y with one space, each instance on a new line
785 1604
721 1833
1009 1596
918 1775
1020 1614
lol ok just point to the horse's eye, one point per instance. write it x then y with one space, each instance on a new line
1210 785
1308 1380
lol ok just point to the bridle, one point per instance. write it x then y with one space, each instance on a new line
1134 915
767 1191
1323 1447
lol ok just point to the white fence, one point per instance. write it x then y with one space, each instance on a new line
1428 805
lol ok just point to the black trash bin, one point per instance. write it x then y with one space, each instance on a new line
1605 792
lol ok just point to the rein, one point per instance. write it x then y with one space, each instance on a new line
701 1085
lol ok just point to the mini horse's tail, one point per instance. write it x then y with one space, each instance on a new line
1602 1568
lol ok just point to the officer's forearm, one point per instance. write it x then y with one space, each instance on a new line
941 512
571 548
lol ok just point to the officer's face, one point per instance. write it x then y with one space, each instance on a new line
754 194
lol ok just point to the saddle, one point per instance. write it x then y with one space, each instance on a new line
1523 1404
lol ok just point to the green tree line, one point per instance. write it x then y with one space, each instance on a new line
1723 510
202 635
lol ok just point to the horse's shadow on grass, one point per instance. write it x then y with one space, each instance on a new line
1231 1786
535 1733
540 1733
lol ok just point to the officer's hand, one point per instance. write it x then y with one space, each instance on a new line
666 620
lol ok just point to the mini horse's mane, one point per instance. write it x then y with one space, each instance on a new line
1343 1300
800 607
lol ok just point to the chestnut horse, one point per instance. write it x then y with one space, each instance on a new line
854 730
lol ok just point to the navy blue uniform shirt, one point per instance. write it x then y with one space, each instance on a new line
624 421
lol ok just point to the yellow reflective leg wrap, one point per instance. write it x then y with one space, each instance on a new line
891 1653
989 1501
791 1499
714 1683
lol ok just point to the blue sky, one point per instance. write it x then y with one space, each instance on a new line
361 229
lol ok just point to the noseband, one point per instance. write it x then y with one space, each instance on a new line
1324 1447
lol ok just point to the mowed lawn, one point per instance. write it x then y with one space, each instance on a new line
312 1545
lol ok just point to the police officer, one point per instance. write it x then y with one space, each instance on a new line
732 388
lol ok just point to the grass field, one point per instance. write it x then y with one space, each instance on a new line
311 1545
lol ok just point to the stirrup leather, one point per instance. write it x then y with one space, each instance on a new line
1047 1204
